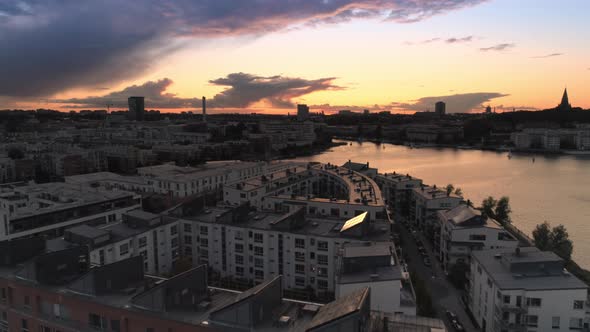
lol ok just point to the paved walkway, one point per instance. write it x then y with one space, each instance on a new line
444 295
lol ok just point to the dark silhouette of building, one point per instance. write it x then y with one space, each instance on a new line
204 109
440 108
136 108
565 103
488 109
302 112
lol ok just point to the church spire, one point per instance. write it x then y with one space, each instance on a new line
565 102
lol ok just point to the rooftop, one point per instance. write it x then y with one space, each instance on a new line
463 216
428 192
346 305
529 269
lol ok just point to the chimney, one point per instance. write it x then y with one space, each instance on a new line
204 109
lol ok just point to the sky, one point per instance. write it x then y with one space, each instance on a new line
269 55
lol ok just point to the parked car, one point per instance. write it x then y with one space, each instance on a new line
454 320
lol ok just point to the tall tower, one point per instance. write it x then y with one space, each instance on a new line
136 108
565 102
204 109
302 112
440 108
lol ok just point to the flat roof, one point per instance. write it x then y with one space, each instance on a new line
429 192
492 262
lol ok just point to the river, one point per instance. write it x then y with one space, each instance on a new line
553 188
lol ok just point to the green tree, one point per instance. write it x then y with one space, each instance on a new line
561 243
450 188
487 207
459 192
503 210
542 236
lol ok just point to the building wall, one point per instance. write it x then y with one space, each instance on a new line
385 295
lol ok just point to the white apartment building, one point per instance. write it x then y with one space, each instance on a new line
525 289
427 201
49 208
397 190
324 189
246 245
463 229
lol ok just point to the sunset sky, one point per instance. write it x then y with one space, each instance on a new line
267 55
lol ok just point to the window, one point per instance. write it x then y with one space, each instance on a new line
258 251
323 259
505 315
124 249
322 272
578 304
312 255
322 284
24 325
174 242
532 320
142 242
27 301
299 282
477 237
97 321
258 262
204 230
258 237
239 248
300 243
204 242
533 302
300 268
115 325
258 274
506 299
576 323
555 322
239 259
323 245
300 256
239 271
188 239
173 230
188 228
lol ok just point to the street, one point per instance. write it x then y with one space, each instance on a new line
444 295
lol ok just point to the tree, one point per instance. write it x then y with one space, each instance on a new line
458 192
542 236
487 207
450 189
560 242
503 210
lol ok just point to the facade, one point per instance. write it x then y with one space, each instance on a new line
49 208
440 108
376 266
463 230
59 291
397 191
525 289
252 246
427 201
285 134
302 112
136 108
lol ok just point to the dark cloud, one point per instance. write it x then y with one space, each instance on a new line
459 40
242 91
547 56
51 45
457 103
498 47
245 89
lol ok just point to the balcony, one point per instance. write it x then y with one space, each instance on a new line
513 307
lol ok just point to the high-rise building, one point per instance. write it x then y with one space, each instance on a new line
440 108
488 109
136 108
565 103
302 112
204 109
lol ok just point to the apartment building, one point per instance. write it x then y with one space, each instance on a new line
253 246
397 190
426 203
463 229
324 189
525 289
57 291
376 266
49 208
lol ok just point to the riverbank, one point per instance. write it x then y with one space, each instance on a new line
307 151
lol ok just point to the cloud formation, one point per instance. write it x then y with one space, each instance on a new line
457 103
454 40
242 91
53 45
547 56
498 47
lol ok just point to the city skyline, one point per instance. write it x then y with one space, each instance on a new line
400 56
